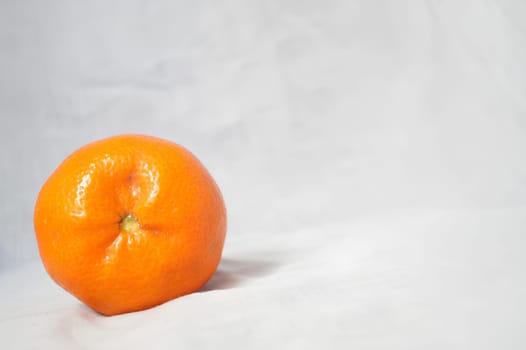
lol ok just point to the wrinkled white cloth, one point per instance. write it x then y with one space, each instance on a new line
443 279
371 155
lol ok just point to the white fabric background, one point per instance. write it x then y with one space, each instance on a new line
371 155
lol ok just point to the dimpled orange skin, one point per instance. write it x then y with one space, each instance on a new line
130 222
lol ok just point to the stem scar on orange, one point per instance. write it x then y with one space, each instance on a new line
130 222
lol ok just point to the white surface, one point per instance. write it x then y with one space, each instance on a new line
415 280
371 155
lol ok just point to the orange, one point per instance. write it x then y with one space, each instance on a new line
130 222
